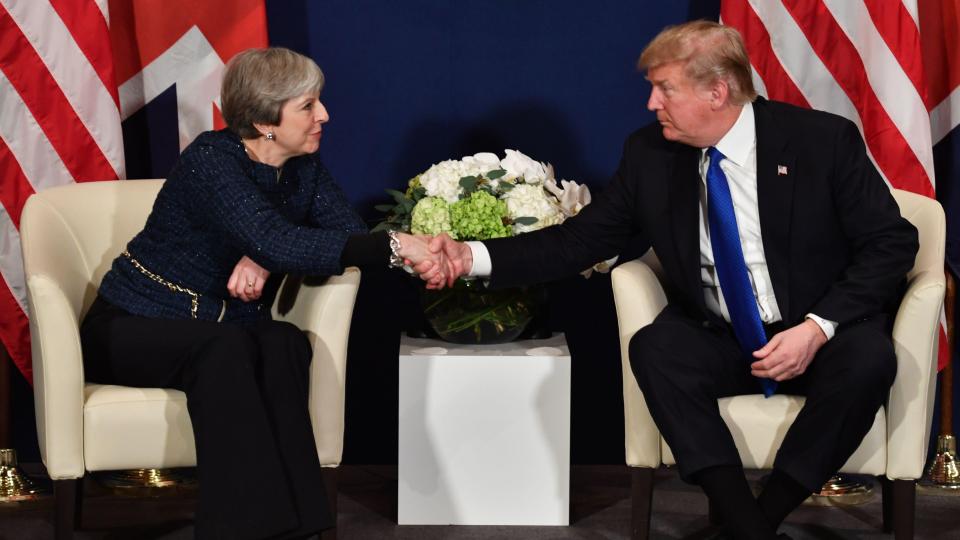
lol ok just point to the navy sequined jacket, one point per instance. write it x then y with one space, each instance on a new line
218 205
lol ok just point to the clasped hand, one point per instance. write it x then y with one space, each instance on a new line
438 260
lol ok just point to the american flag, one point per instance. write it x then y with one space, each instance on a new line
70 72
890 66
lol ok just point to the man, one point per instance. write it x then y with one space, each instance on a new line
784 249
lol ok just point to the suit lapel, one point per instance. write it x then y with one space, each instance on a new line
684 203
776 179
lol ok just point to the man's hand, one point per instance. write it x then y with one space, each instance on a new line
788 353
247 280
458 254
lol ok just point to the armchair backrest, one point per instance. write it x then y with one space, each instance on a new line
72 233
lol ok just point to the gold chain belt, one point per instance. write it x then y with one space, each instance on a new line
194 296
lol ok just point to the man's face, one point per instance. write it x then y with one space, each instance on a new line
683 109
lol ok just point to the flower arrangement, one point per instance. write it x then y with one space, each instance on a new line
481 197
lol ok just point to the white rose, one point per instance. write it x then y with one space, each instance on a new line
484 162
519 165
526 200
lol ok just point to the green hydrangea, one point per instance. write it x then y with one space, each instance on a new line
479 217
431 216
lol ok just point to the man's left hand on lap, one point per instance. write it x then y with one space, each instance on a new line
788 353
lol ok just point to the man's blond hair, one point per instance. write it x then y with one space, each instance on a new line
709 51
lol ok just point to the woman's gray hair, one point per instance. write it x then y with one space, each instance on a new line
257 83
709 51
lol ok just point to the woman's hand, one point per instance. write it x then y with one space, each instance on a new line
247 280
429 265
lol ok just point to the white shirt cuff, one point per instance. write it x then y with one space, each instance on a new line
482 265
829 327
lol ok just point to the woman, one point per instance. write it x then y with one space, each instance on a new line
187 304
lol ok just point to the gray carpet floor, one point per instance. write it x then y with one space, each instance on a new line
600 509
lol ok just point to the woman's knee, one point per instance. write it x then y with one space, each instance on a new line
281 334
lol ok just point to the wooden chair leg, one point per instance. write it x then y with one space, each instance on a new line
904 508
330 482
886 491
642 497
66 500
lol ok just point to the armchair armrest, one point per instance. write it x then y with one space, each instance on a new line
910 406
639 298
57 377
324 311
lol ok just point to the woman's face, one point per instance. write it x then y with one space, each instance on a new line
301 123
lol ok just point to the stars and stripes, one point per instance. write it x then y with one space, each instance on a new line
59 123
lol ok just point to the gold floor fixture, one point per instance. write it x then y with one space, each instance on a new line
14 485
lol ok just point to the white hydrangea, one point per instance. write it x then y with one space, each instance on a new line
443 179
526 200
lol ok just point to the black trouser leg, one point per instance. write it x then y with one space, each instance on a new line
682 369
245 491
845 385
285 376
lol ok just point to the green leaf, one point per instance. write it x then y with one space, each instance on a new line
398 196
494 174
418 193
384 207
525 220
382 226
469 183
506 186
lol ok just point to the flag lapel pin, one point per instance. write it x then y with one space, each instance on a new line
781 170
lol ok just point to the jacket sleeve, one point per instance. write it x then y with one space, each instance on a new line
601 230
230 202
882 244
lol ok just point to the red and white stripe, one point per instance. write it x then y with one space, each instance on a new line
862 60
59 123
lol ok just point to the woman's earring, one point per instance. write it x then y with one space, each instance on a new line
270 136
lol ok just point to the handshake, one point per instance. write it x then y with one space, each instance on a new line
438 260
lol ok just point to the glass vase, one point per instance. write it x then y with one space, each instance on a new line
470 313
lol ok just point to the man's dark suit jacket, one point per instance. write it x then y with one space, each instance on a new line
834 240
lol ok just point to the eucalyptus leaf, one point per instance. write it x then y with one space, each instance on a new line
506 186
469 183
385 207
496 173
398 196
525 220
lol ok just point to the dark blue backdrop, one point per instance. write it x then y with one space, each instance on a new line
416 82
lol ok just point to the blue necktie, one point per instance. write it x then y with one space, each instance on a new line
731 268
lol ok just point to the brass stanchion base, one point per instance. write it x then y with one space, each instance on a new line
842 490
943 476
139 482
14 485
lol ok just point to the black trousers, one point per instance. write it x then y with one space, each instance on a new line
247 388
683 366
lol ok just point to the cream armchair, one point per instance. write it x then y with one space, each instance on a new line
70 235
896 446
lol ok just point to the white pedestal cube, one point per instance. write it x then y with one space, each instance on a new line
484 433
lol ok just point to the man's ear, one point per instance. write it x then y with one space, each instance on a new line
719 93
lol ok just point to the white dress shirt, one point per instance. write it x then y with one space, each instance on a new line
739 145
